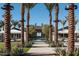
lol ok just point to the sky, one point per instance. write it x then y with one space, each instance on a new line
39 14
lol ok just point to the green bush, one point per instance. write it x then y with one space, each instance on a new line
76 52
29 44
26 50
17 52
53 44
2 51
57 50
63 52
60 52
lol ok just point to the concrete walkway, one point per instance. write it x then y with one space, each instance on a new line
40 48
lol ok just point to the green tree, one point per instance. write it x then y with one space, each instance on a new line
49 7
32 32
28 6
14 23
45 31
63 22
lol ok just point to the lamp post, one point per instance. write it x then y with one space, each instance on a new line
7 16
71 7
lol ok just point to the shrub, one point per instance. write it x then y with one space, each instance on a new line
57 51
29 44
76 52
2 51
63 52
60 52
53 44
17 51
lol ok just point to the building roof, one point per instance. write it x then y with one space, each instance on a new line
12 31
65 31
62 28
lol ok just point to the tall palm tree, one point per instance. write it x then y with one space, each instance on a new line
56 22
22 23
71 27
63 22
28 6
7 7
50 6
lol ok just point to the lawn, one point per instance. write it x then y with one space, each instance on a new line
13 45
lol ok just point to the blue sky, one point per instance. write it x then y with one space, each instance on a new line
39 14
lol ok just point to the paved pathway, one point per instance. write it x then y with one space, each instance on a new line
40 48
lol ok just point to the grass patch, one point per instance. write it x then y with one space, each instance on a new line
16 49
26 49
13 44
1 45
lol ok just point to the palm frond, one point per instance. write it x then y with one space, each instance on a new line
14 22
63 21
76 21
29 5
49 6
1 23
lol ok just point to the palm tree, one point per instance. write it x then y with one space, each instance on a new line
63 22
28 6
50 6
14 23
7 7
56 22
71 27
19 24
1 24
22 24
75 23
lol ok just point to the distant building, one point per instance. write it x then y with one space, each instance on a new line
64 32
15 35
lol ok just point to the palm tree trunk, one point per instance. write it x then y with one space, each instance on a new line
56 23
63 34
27 29
71 29
22 25
50 29
7 28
